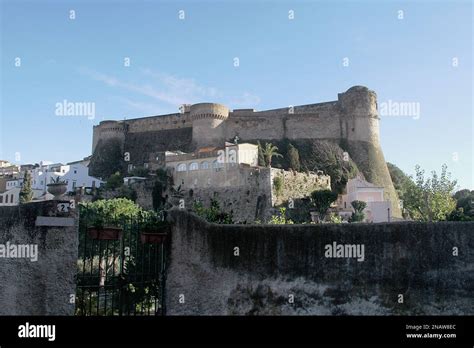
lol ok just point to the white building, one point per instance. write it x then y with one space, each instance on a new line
10 188
75 174
357 189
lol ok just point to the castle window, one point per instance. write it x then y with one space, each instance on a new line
193 166
181 167
205 165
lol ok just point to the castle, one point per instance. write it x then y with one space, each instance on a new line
351 121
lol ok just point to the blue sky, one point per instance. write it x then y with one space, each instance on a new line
282 62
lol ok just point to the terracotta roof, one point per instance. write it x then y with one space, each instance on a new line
206 149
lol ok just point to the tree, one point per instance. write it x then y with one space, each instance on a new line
26 192
213 213
261 158
402 183
465 200
430 199
114 181
293 158
281 218
111 209
157 195
269 152
140 171
322 200
358 214
331 159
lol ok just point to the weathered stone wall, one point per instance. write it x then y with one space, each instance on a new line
297 185
411 259
141 144
45 286
244 192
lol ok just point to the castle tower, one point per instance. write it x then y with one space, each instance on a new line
360 134
107 130
208 123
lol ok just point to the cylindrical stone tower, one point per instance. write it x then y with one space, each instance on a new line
208 124
360 129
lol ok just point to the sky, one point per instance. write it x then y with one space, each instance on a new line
133 59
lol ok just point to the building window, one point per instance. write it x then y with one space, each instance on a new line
181 167
11 198
1 199
6 199
75 172
205 165
74 185
193 166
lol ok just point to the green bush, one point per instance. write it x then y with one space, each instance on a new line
213 213
278 185
322 200
114 181
358 215
280 219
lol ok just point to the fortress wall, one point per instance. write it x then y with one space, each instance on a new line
154 123
142 144
312 121
313 127
208 132
370 160
107 130
243 192
256 127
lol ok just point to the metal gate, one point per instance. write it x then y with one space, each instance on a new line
121 270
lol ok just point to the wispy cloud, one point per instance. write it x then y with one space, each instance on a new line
171 90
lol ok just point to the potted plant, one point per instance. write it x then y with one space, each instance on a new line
154 229
99 230
57 187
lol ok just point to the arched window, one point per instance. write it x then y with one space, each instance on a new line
193 166
205 165
181 167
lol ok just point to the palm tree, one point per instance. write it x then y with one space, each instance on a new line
269 152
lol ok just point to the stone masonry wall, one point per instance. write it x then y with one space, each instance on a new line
45 286
415 260
297 185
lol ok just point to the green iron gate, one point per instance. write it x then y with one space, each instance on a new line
121 270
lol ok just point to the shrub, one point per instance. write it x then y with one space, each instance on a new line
278 185
322 200
114 181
